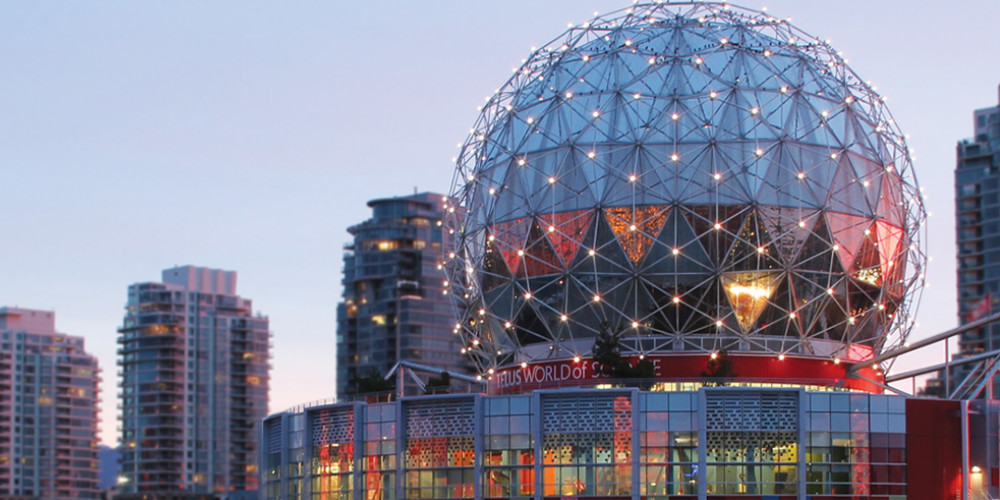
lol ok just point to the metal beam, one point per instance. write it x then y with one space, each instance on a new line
939 367
928 341
430 369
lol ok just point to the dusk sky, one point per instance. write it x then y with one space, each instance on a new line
247 136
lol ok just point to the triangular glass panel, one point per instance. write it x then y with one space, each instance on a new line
789 228
636 228
891 205
566 232
715 226
688 265
495 271
539 257
847 194
510 237
848 233
748 294
752 249
866 265
890 239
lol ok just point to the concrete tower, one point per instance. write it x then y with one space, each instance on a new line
194 386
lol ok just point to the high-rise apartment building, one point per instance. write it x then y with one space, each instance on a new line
48 409
393 306
193 360
977 210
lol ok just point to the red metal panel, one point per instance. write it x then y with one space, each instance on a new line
933 450
688 367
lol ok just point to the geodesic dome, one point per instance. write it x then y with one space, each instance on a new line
686 177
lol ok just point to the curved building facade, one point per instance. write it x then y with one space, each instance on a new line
683 235
621 443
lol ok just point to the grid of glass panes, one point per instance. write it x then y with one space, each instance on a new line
332 460
591 463
440 467
271 483
668 445
751 462
440 450
856 445
509 448
379 465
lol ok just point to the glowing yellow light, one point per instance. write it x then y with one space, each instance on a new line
597 298
675 251
530 120
675 117
631 178
801 175
591 252
527 295
675 157
596 113
591 155
717 226
552 180
784 89
632 227
714 355
635 324
652 60
718 323
713 94
677 299
759 152
760 249
754 111
563 317
506 324
791 315
636 96
748 293
576 359
520 253
781 357
836 361
717 176
493 191
569 94
833 156
552 229
524 364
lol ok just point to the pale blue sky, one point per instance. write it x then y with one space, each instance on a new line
135 136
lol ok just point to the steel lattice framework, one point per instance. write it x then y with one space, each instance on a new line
691 177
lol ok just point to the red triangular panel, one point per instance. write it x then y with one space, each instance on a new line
566 231
510 237
539 258
889 240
